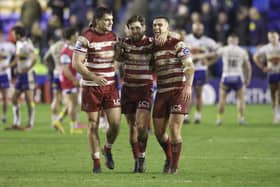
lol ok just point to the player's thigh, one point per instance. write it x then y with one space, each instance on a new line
130 118
198 91
113 115
93 119
73 98
28 95
4 93
223 94
160 125
240 93
142 116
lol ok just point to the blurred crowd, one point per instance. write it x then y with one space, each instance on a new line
249 19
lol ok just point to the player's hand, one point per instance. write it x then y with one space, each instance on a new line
101 81
187 93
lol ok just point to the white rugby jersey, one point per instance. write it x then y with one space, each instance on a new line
7 50
233 58
23 49
200 45
272 55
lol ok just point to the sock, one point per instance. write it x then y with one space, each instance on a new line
16 115
135 150
176 151
73 124
108 147
61 115
96 159
31 114
219 116
166 146
197 115
142 146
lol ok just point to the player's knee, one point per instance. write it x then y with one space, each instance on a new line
159 134
115 127
93 127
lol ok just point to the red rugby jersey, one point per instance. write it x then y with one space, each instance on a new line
66 58
137 67
100 55
168 64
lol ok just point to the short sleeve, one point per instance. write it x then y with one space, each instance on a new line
65 59
182 50
81 45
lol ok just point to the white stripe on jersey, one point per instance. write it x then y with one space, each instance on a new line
104 54
167 61
165 52
137 76
102 60
97 66
99 45
136 48
171 80
139 57
92 83
135 67
109 74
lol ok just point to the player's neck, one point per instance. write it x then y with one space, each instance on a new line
100 31
274 43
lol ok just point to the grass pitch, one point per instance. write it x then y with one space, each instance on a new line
230 155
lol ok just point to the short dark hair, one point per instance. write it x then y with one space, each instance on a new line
162 17
101 11
136 18
19 30
233 35
68 32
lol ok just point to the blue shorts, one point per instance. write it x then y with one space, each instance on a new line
25 81
56 84
232 83
274 78
200 77
4 81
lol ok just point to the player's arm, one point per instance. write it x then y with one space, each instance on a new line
189 74
48 59
79 57
248 74
258 59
